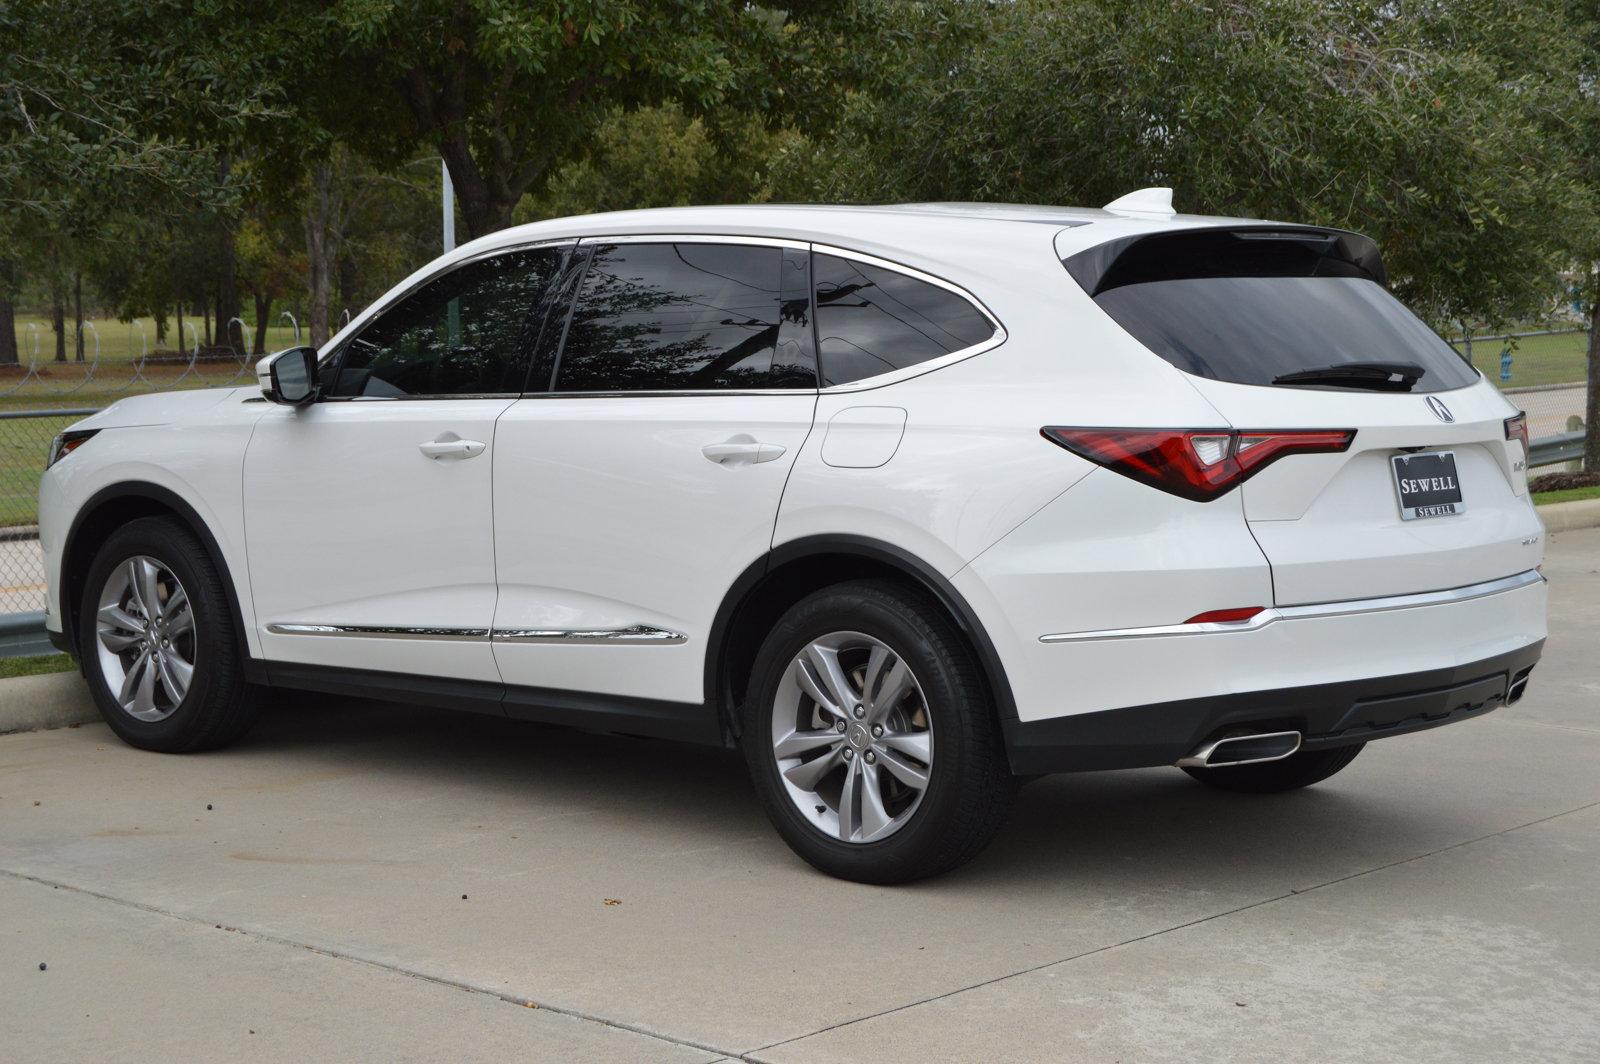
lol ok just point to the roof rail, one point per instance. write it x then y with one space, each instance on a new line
1146 202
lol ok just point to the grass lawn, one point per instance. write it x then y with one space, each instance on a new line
34 665
1535 360
1543 498
121 342
24 446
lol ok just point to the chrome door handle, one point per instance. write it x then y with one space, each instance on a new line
741 451
450 445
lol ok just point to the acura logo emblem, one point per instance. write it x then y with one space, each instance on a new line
1440 411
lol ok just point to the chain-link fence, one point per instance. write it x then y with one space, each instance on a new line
1541 371
25 437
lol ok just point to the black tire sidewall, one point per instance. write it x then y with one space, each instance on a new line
179 550
946 674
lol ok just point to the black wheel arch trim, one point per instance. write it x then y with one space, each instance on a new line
140 489
907 563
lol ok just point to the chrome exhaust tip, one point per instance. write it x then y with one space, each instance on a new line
1243 750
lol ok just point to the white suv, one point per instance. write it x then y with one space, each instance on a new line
908 503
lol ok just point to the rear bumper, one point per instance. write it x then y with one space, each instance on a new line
1327 715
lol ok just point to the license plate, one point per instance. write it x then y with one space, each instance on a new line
1427 484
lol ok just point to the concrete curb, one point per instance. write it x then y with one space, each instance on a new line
1566 516
54 700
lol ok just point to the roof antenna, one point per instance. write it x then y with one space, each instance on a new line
1145 203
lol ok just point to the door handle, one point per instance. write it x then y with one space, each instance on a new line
450 445
741 451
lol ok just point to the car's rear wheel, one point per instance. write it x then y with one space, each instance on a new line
158 641
1272 777
871 736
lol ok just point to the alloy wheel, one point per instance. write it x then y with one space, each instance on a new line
146 639
852 737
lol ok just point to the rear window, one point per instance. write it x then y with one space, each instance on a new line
1256 307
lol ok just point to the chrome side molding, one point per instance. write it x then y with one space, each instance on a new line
368 631
635 634
1321 609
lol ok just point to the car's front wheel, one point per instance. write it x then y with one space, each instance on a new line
871 736
158 641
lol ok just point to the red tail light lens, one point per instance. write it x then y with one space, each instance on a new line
1198 464
1517 429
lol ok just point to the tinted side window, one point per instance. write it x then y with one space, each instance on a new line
679 316
871 320
465 333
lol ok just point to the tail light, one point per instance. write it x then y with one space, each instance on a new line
1198 464
1517 429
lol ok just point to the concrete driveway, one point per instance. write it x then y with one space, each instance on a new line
368 882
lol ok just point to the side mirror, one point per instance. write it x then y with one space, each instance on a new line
289 377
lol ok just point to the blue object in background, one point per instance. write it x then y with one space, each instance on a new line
1505 363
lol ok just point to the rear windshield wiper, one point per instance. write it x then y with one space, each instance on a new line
1376 376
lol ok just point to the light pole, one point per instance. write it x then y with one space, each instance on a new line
448 203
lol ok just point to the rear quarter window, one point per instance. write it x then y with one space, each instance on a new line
872 320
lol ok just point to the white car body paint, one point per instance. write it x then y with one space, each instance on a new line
863 437
592 513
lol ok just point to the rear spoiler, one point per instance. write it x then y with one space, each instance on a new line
1227 251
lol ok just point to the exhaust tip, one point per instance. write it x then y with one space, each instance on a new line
1519 685
1243 750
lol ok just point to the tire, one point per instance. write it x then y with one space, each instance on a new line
216 705
944 714
1273 777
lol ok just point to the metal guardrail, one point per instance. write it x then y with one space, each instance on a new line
1567 447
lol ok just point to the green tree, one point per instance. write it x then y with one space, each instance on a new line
507 92
110 110
664 157
1584 134
1426 126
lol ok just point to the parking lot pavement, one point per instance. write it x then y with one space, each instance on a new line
1439 900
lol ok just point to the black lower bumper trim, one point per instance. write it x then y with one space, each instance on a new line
1327 715
690 722
61 642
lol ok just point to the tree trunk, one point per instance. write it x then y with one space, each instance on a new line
263 319
1591 409
77 312
324 224
180 327
484 208
8 334
9 356
205 311
58 325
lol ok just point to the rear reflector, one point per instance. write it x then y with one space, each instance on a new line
1233 616
1198 464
